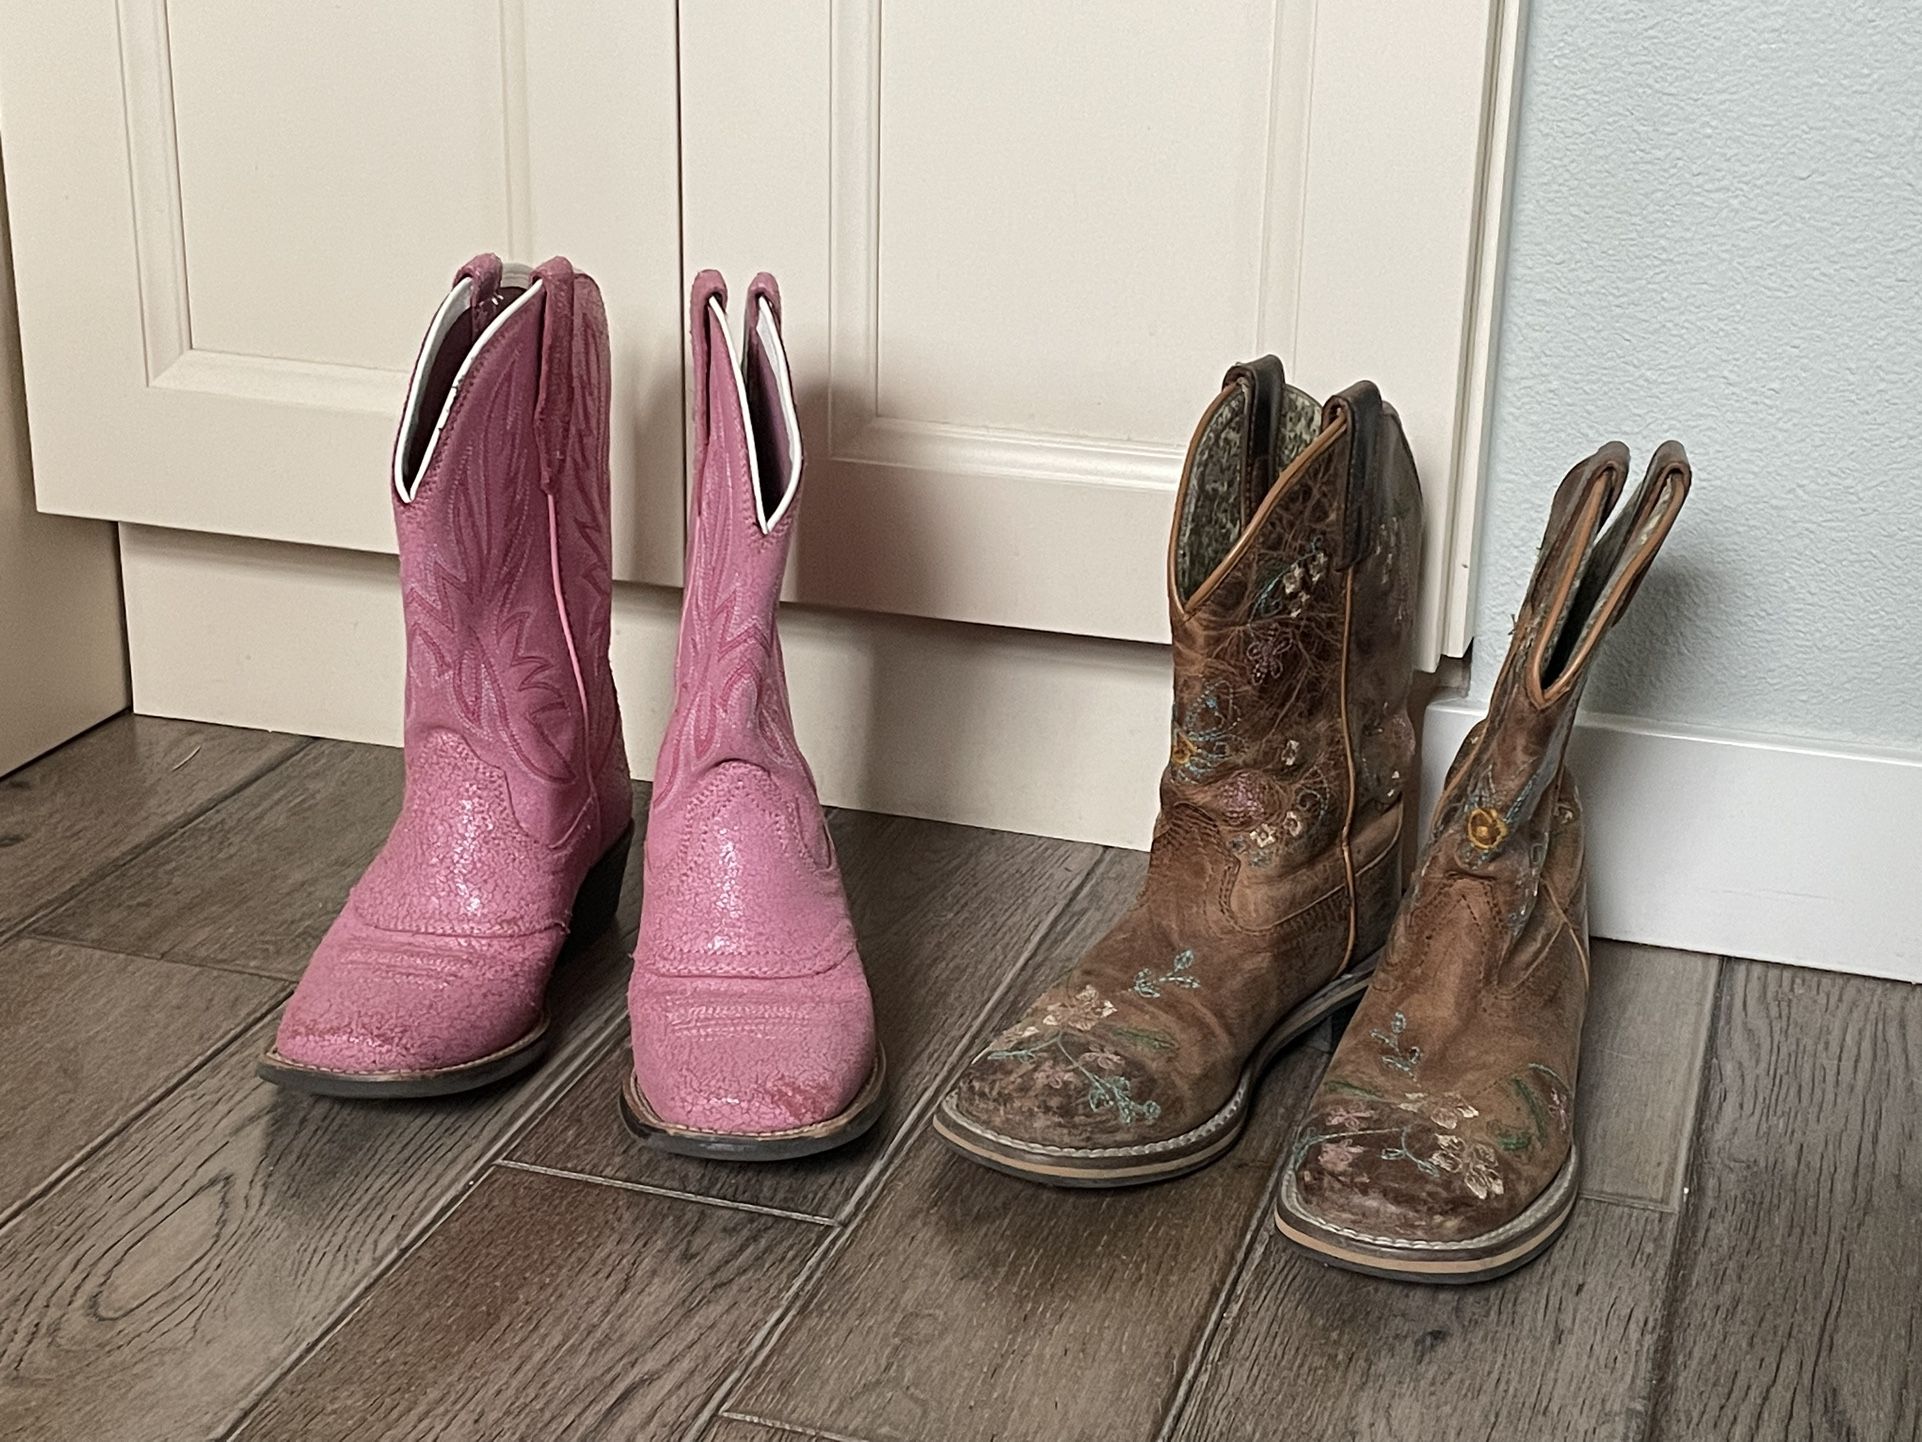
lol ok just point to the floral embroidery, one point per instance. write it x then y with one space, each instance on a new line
1258 847
1447 1114
1394 1054
1339 1156
1114 1092
1267 650
1345 1128
1177 974
1044 1044
1079 1012
1475 1161
1286 591
1202 736
1543 1111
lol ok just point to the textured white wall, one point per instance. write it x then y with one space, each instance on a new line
1717 234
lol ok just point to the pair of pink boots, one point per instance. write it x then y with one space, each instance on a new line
752 1026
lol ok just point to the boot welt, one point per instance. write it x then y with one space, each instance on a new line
593 911
1150 1161
400 1085
1472 1259
836 1131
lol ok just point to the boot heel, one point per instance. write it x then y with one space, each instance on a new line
600 894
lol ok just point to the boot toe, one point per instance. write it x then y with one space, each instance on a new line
749 1058
1061 1089
370 1010
1388 1175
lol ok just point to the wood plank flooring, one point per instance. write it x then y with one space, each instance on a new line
188 1253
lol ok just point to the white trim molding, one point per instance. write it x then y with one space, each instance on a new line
1772 849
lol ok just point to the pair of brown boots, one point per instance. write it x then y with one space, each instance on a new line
1441 1142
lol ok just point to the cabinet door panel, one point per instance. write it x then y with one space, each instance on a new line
1089 217
1021 243
232 218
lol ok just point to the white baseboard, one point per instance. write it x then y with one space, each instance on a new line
1705 842
1713 841
1017 730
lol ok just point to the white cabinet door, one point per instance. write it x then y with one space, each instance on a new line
1020 243
233 218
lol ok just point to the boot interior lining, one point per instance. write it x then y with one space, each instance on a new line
446 356
1211 519
764 390
771 417
1613 568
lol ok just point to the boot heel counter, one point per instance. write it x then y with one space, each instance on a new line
1378 888
1381 624
614 779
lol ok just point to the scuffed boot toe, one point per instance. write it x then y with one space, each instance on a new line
723 1059
369 1021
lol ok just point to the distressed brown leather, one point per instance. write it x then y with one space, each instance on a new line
1276 858
1449 1105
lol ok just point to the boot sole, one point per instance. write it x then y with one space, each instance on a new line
837 1131
593 911
1473 1259
1151 1161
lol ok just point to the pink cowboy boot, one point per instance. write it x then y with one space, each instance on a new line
753 1031
515 824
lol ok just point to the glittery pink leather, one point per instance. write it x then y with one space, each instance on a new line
750 1010
516 774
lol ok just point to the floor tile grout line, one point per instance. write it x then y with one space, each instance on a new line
32 920
792 1428
345 1314
1629 1203
550 1088
176 958
671 1193
1661 1355
884 1167
140 1109
1678 1190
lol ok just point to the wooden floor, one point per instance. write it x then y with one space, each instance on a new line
186 1252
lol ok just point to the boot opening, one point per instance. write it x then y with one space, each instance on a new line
455 338
1216 501
764 391
771 418
1615 567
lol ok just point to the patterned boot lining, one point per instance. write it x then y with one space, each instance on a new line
1211 520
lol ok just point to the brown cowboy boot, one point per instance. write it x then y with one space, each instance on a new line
1276 863
1440 1145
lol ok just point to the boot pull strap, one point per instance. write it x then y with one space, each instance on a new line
1260 428
554 405
708 286
485 272
1361 489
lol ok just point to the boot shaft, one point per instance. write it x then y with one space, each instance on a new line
501 512
1291 581
730 683
1496 799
